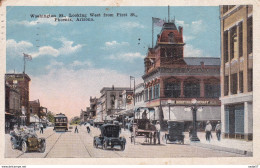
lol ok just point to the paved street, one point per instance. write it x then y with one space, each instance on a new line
80 145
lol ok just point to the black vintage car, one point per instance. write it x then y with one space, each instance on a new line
26 140
175 132
109 137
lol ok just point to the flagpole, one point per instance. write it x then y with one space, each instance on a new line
23 64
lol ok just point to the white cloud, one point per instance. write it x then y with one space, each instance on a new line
67 47
68 90
129 57
15 49
190 51
77 63
197 26
46 50
194 27
54 65
114 44
188 38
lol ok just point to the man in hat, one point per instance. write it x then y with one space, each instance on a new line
208 130
158 130
218 130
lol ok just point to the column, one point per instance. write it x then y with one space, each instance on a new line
223 126
202 88
248 120
238 61
229 61
161 88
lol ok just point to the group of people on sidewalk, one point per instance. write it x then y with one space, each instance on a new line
208 130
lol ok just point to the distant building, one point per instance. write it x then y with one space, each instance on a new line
171 77
237 71
110 100
22 83
93 107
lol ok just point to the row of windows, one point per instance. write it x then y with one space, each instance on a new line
234 81
227 7
152 92
171 52
191 89
236 41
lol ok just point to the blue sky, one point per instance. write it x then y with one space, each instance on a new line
94 54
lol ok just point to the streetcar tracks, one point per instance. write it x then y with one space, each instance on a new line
85 146
53 146
90 134
45 139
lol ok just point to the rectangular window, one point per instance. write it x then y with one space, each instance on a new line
226 119
240 39
226 86
233 43
234 83
250 35
239 119
241 84
250 80
146 94
225 46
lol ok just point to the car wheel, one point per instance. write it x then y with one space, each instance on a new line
95 144
24 147
43 147
105 145
123 147
13 145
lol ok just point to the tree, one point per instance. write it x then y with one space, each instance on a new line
50 116
75 120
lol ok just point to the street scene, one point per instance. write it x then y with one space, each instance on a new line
80 145
130 82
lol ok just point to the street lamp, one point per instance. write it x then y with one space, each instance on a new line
169 103
194 108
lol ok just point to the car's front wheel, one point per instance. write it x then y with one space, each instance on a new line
24 147
122 147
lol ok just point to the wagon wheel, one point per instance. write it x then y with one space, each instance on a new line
24 147
43 147
151 137
154 138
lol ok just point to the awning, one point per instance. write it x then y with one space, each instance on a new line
178 113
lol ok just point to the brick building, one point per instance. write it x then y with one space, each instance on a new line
237 71
169 76
22 83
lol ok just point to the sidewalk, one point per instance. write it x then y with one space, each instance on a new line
228 145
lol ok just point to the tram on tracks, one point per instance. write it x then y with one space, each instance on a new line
60 122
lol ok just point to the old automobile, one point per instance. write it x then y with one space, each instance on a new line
109 137
175 132
26 140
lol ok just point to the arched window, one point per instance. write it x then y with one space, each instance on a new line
162 52
191 88
172 88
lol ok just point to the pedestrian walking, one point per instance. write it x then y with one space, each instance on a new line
158 131
208 130
190 130
76 129
41 127
218 130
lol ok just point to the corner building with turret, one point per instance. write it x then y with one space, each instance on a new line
172 80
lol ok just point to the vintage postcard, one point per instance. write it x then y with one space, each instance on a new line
133 82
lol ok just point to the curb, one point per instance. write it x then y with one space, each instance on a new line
220 148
